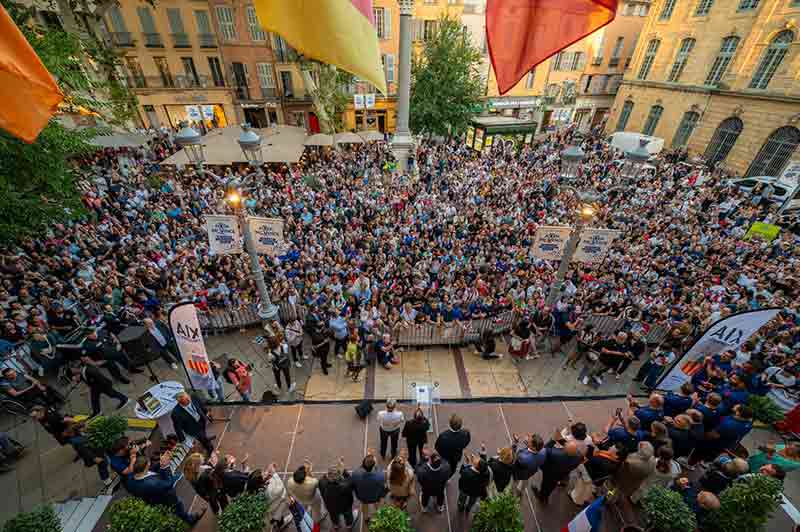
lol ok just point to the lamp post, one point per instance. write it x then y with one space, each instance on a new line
250 143
403 143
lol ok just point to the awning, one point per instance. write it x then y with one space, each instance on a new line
371 136
347 138
320 139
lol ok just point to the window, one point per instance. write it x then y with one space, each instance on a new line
117 22
619 46
557 61
190 71
388 67
216 72
256 31
685 129
723 140
772 59
152 38
135 69
627 9
652 120
776 152
286 81
624 115
227 26
644 10
649 57
578 61
599 49
163 70
680 60
383 22
703 7
204 32
667 9
265 78
723 59
179 37
428 29
746 5
529 78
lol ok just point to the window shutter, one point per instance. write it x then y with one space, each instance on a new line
246 74
387 23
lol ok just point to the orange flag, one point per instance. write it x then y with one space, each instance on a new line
523 33
29 93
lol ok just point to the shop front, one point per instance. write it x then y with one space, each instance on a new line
260 115
487 131
208 110
381 116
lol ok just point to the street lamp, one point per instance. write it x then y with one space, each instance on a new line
571 159
635 159
190 140
192 143
250 142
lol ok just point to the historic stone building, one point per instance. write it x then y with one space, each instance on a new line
719 77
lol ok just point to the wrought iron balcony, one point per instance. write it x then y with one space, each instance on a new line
153 40
207 40
181 40
124 38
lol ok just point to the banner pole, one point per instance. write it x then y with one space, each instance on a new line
183 363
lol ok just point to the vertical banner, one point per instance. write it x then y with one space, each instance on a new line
223 234
189 339
726 334
267 235
594 244
550 241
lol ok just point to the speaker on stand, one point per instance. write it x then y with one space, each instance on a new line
138 345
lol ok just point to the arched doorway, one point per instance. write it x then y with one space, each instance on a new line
723 140
775 152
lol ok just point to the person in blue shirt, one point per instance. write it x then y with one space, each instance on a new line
158 488
654 411
733 428
724 361
338 326
627 434
680 402
734 393
122 458
711 410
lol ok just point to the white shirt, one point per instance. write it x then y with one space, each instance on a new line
390 421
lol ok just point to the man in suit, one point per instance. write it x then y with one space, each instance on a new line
158 488
558 464
98 384
451 443
190 418
158 339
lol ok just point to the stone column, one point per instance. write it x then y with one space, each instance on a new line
402 144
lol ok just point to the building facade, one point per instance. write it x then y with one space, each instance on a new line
577 85
719 78
249 62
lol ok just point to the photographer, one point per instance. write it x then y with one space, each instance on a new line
123 455
623 431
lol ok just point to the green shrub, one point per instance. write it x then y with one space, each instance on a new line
390 519
747 505
666 511
42 519
764 409
132 514
246 513
103 431
499 514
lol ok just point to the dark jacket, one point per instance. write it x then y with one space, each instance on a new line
472 482
155 489
234 482
337 493
94 378
501 473
185 424
369 486
559 464
451 444
431 479
416 430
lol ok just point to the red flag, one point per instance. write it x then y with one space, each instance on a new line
523 33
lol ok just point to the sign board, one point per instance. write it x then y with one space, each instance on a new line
189 339
208 112
427 395
487 145
594 244
763 231
478 146
266 235
470 136
358 101
223 235
790 175
369 100
193 112
550 241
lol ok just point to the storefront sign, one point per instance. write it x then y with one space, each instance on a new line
513 103
594 244
267 235
369 100
193 112
550 241
223 235
358 101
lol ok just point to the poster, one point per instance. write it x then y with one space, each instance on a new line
369 100
208 112
763 231
550 241
727 334
478 139
223 235
189 339
358 101
193 112
487 145
266 235
470 136
594 244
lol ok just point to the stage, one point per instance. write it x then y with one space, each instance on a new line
287 434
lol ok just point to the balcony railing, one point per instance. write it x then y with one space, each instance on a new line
172 82
597 61
124 38
269 92
181 40
243 92
207 40
153 40
614 61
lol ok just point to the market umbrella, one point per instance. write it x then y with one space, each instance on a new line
320 139
371 136
347 138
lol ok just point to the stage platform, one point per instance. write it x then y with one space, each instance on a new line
287 434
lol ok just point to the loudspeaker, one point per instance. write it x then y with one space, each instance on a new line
363 409
138 345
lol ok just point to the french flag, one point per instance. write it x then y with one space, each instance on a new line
589 519
302 519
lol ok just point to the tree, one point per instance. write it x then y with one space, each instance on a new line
446 85
327 87
37 182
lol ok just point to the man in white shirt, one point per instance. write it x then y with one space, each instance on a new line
390 421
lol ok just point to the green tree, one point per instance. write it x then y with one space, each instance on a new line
446 85
37 181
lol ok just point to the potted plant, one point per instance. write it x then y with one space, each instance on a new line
132 514
41 519
499 514
103 431
747 505
246 513
666 511
390 519
764 409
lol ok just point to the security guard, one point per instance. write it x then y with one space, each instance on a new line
104 351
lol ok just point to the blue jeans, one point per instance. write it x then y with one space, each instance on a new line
217 390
